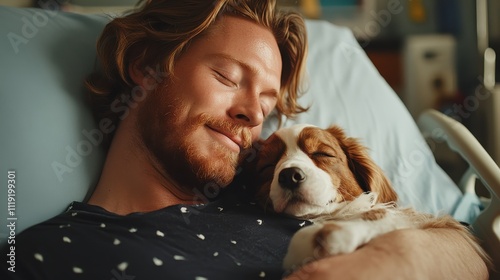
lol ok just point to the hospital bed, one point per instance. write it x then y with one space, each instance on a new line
53 148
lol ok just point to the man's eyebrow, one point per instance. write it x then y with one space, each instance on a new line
242 64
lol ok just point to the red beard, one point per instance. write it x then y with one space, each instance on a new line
174 149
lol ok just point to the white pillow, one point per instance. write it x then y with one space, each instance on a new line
45 127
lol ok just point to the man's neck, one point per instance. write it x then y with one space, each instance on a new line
131 182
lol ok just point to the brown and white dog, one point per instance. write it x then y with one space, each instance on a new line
326 177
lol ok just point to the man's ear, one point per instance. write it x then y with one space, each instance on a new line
146 77
137 73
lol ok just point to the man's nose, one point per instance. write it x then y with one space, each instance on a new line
247 110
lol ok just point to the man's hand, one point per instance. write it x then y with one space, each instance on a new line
404 254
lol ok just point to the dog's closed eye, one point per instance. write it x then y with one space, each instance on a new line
322 154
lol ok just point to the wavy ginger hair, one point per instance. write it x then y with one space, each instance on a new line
159 32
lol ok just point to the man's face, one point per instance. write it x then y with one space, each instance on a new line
224 85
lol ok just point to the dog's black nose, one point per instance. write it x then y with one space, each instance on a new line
291 177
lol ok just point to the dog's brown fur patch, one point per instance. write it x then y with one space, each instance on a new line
373 215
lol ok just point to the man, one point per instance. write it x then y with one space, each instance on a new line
159 210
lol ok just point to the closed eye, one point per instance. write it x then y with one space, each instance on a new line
322 154
224 80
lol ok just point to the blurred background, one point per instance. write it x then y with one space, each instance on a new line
434 53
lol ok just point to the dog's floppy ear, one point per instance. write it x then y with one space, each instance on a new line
368 175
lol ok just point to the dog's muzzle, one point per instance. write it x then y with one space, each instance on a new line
291 178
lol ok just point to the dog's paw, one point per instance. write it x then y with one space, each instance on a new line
334 239
319 241
301 249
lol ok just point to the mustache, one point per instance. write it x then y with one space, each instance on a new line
229 127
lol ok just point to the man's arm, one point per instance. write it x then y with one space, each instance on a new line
404 254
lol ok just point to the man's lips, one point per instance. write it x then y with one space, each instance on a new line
231 140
